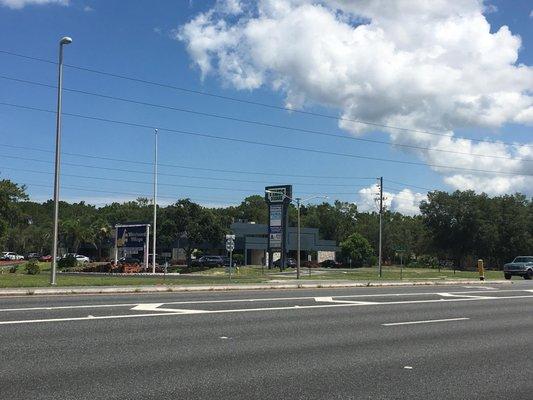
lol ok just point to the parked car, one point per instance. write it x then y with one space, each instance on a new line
291 263
11 256
211 261
330 264
521 266
32 256
47 258
79 258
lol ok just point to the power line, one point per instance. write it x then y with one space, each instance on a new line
295 130
279 146
138 195
251 102
163 184
408 185
189 167
175 175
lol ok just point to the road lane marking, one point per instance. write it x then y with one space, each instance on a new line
428 321
157 307
480 287
464 295
331 300
243 310
48 308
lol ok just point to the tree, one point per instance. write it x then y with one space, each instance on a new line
198 224
10 195
357 248
335 222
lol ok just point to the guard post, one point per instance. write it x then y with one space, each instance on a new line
481 269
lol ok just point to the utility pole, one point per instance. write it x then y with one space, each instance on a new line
64 41
155 202
380 226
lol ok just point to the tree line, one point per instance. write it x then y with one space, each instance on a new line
457 227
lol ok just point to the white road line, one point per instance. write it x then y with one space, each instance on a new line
429 321
243 310
244 300
157 307
464 295
331 300
480 287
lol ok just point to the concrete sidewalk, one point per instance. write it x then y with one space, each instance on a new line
290 284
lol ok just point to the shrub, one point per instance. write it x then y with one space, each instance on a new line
238 259
67 262
33 268
13 269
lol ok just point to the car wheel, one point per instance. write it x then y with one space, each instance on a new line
507 276
529 274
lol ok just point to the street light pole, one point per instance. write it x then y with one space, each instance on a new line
65 40
380 258
298 199
155 203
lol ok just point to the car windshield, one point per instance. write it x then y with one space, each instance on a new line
523 259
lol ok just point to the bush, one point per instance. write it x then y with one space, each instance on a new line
33 268
372 260
67 262
13 269
238 259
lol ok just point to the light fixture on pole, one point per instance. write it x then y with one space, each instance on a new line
299 201
155 203
65 40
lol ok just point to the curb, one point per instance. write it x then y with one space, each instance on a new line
221 288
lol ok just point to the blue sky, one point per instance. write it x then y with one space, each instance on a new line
137 39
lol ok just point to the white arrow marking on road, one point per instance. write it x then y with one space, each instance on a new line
465 295
156 307
330 300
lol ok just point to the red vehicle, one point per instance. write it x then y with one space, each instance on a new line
47 258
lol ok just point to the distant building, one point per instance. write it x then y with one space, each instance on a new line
252 241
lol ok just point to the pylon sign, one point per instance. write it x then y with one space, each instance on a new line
278 199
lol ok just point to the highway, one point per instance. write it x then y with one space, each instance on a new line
434 342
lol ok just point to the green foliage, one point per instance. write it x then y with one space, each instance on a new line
458 227
356 248
465 226
67 262
13 269
32 267
238 258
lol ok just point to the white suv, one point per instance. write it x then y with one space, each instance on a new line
11 256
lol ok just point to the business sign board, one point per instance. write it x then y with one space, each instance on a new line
276 214
278 199
275 237
131 240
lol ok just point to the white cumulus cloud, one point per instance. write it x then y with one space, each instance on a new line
406 201
427 65
18 4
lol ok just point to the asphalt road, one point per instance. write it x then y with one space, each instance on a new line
367 343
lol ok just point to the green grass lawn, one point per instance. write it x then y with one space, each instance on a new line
244 275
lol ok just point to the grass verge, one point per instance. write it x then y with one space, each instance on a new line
245 275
